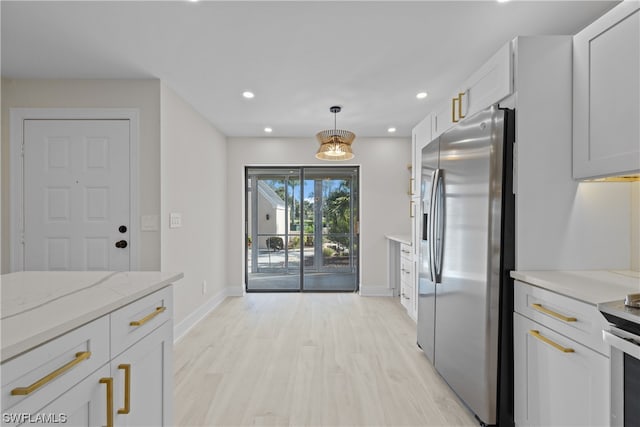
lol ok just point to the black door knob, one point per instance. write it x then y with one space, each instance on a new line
122 229
121 244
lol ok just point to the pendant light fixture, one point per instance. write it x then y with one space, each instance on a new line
335 144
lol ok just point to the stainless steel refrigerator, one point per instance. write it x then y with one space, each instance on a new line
465 297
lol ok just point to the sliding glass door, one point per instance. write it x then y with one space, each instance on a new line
301 229
273 223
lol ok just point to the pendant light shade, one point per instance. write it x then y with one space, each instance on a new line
335 144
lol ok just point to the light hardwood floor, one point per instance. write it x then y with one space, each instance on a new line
309 359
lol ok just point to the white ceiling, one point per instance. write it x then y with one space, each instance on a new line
299 57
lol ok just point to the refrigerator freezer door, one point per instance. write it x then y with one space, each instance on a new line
426 284
467 312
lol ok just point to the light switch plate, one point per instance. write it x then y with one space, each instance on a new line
175 220
150 223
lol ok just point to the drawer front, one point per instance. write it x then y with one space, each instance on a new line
42 374
405 251
133 322
575 319
406 269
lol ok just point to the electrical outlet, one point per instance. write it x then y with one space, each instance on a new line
204 287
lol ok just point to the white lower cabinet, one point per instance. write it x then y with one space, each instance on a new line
558 381
407 286
76 380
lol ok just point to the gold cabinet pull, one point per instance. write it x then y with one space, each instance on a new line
127 388
21 391
453 110
148 317
411 180
109 383
460 115
557 315
411 209
536 334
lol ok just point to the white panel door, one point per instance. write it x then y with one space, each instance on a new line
76 195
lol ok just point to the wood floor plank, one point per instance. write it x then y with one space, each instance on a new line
309 360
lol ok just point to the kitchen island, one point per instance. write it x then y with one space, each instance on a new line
95 347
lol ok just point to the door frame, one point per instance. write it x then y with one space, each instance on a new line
17 116
245 223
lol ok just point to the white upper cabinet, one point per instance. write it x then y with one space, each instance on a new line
420 137
442 118
606 95
491 83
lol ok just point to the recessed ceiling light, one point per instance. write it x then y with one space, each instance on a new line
268 130
502 1
421 95
248 94
391 130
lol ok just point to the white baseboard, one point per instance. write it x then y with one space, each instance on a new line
235 291
181 329
376 291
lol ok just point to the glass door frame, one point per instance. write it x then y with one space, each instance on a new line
354 236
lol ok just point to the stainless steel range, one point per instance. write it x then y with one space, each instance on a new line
624 338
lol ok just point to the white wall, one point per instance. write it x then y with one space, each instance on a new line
561 224
194 184
141 94
384 202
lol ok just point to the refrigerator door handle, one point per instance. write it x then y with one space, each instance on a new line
438 226
432 226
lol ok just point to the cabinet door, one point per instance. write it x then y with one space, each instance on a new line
606 95
490 84
443 117
149 366
557 388
421 136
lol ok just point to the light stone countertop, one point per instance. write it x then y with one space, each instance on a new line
590 286
400 238
37 306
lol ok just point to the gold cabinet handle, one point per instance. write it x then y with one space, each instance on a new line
460 115
109 383
411 209
411 180
127 388
148 317
453 110
557 315
21 391
536 334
